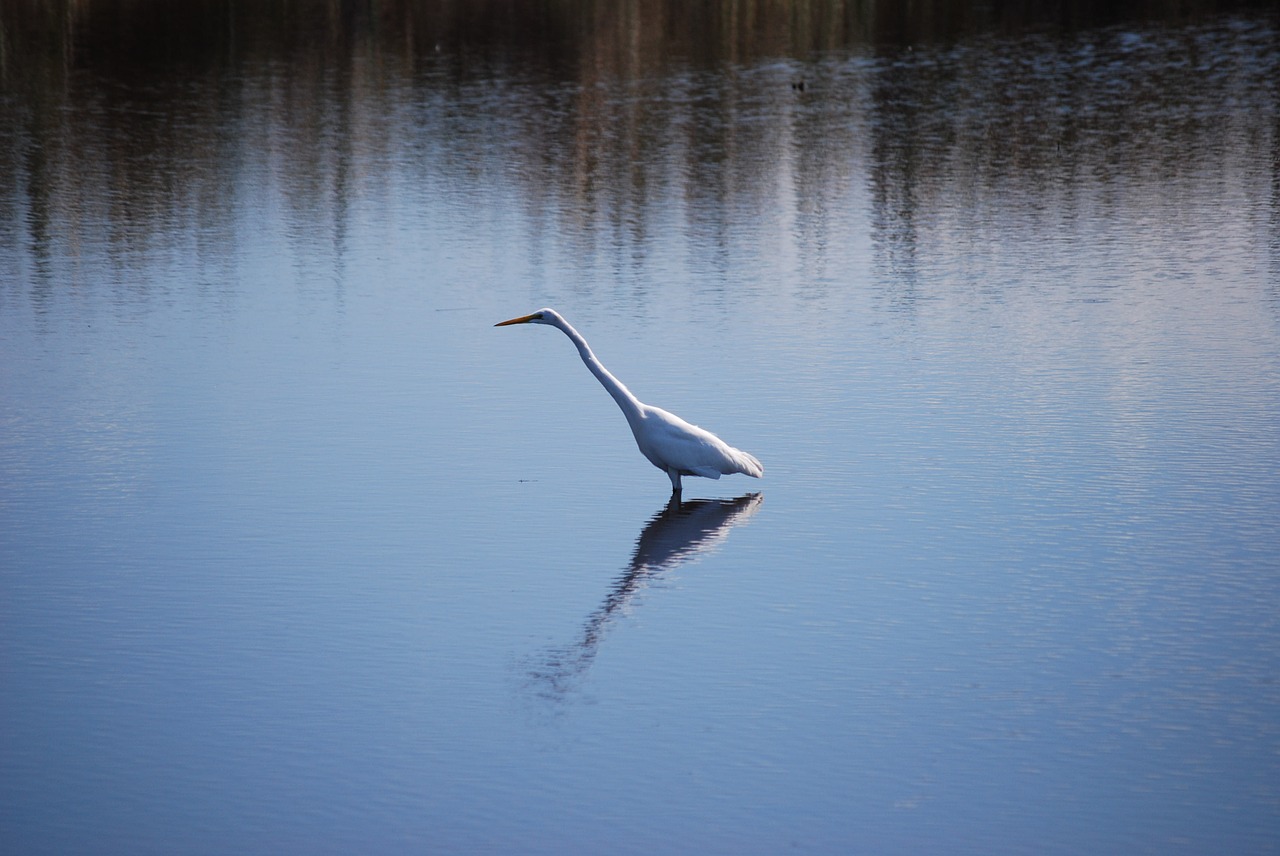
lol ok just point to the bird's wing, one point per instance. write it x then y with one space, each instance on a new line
696 450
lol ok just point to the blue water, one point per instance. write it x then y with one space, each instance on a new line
299 554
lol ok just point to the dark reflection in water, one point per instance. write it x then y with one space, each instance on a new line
121 124
677 534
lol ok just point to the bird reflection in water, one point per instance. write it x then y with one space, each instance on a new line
679 533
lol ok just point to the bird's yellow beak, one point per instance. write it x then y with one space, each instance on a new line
523 319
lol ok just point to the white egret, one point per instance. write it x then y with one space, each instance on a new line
671 444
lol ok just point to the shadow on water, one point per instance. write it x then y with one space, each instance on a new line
679 533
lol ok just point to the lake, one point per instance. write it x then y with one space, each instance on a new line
298 553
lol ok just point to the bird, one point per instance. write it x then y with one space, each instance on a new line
674 446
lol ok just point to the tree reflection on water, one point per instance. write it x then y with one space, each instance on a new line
121 121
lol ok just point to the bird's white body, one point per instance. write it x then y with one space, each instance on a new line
668 442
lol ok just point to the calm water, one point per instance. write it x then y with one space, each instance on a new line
299 554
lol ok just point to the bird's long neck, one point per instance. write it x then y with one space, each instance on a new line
630 405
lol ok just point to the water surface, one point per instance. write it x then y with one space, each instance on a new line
298 553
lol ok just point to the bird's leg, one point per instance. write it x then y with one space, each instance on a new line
676 489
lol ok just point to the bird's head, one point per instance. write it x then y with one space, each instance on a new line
542 316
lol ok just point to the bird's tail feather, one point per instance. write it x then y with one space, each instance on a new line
748 464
